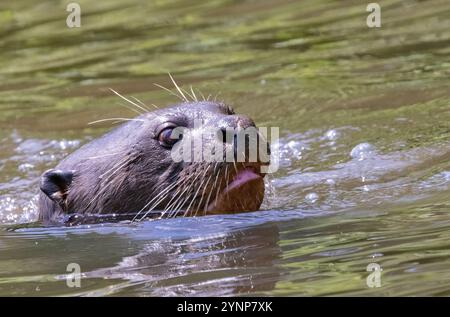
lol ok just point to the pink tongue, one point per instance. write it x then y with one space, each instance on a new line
243 193
241 178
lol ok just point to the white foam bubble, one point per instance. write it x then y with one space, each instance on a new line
332 135
362 151
25 167
312 198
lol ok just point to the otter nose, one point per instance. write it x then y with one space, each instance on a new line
232 124
232 132
226 136
236 122
242 122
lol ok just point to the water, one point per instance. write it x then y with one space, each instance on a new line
365 150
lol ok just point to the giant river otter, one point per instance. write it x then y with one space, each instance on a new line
131 169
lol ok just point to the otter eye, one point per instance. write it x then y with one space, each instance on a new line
165 137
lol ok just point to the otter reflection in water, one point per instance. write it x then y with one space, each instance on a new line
131 169
229 263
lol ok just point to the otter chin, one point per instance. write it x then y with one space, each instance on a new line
132 170
245 192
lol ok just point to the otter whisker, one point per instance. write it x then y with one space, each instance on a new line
173 206
201 94
203 194
186 196
171 92
178 88
235 167
100 156
140 102
191 185
212 189
187 93
128 100
179 202
218 190
143 104
116 167
101 191
198 208
196 193
227 177
193 94
217 95
177 196
209 96
179 206
167 189
115 119
164 191
240 202
132 109
159 198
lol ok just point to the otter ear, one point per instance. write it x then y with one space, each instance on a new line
55 184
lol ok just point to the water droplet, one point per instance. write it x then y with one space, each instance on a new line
16 137
332 135
312 198
362 151
25 167
293 145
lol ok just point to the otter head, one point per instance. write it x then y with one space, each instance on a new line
197 158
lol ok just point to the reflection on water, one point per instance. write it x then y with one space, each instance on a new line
239 262
215 256
365 155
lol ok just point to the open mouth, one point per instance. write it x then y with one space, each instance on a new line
244 192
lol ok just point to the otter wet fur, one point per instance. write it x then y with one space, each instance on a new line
130 170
